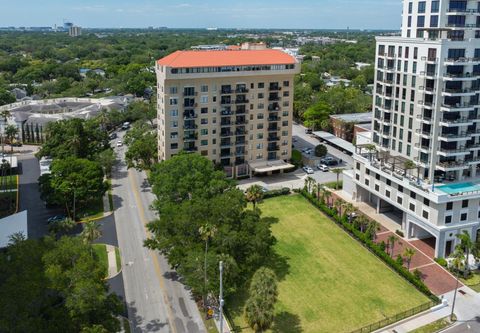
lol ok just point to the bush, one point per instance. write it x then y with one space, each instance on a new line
377 249
276 193
297 158
333 185
399 260
417 274
442 262
400 233
383 246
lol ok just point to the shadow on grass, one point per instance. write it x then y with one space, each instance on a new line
286 322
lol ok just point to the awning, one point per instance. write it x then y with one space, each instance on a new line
269 166
335 141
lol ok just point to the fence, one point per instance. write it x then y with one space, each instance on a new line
391 320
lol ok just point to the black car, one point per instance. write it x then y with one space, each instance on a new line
112 136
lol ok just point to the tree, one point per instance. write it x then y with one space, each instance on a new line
142 152
392 239
316 114
457 263
321 151
91 231
54 286
309 182
106 159
11 133
254 194
408 254
372 149
72 181
6 97
60 227
337 171
206 232
372 229
260 306
467 246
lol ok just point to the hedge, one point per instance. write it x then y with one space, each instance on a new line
276 193
372 246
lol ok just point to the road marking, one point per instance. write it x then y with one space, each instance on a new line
152 254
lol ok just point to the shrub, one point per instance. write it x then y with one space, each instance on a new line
399 232
417 274
442 262
276 193
321 150
399 260
382 246
333 185
414 279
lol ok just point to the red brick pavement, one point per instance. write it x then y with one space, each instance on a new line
437 279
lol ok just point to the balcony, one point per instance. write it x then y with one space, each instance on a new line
273 148
273 98
190 93
240 153
226 91
428 74
190 127
424 118
452 166
462 121
241 101
226 113
454 136
275 88
190 105
458 107
461 61
241 132
226 154
240 111
226 144
273 138
460 77
458 92
453 151
274 107
423 133
189 115
274 118
190 138
240 142
427 90
226 102
190 149
241 122
241 90
273 129
226 134
225 123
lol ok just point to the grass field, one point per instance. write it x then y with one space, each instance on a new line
329 282
101 252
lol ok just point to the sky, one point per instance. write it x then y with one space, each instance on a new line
287 14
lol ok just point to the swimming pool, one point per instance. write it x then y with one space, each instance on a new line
459 188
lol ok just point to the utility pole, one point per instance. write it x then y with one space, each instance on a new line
221 296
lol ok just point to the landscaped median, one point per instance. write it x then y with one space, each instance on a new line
329 282
109 257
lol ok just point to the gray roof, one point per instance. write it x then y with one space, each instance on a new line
367 126
342 144
358 118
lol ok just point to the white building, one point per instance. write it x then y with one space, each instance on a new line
74 31
426 110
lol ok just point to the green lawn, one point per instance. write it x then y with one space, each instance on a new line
93 211
118 259
101 252
473 281
329 283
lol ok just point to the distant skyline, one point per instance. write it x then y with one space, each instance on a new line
287 14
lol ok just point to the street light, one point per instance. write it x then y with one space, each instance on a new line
221 296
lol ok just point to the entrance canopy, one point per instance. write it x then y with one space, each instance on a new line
269 166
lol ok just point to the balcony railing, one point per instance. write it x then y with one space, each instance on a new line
241 101
274 88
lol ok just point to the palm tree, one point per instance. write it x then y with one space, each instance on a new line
320 188
392 239
457 263
206 231
372 228
348 210
361 223
309 182
91 231
408 253
61 226
467 246
11 133
338 204
326 196
337 171
254 194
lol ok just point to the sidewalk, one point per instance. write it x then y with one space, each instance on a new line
418 321
112 261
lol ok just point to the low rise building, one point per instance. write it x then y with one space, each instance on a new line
343 124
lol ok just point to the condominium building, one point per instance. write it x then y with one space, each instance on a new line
424 170
234 107
74 31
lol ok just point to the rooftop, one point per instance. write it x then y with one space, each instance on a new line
358 118
221 58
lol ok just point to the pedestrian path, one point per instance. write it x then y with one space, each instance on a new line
112 261
419 321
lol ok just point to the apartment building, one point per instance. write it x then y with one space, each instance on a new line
234 107
424 171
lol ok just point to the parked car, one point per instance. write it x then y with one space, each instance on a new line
112 136
323 167
126 125
119 143
56 218
308 170
329 161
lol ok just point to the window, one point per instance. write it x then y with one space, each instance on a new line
174 113
435 6
260 146
204 131
260 116
204 143
204 121
421 6
410 7
357 166
174 135
400 188
433 21
465 204
412 195
387 193
173 90
412 207
449 205
367 182
260 126
400 200
425 214
204 99
204 110
377 188
448 219
286 83
426 202
357 177
261 85
389 182
377 176
420 21
174 124
409 22
261 95
204 88
173 101
463 217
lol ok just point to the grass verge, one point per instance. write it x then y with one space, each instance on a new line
333 185
101 253
209 323
473 281
328 282
118 259
434 327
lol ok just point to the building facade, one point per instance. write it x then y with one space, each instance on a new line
343 125
74 31
234 107
426 125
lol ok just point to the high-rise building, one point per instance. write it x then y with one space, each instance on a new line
234 107
425 167
75 31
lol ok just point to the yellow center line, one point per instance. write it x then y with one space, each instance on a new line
152 253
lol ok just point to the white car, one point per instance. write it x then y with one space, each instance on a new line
323 167
308 170
119 143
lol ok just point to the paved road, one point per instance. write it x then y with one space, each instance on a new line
472 326
156 300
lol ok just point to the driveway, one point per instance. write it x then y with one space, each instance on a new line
37 213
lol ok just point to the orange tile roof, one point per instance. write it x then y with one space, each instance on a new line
186 59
